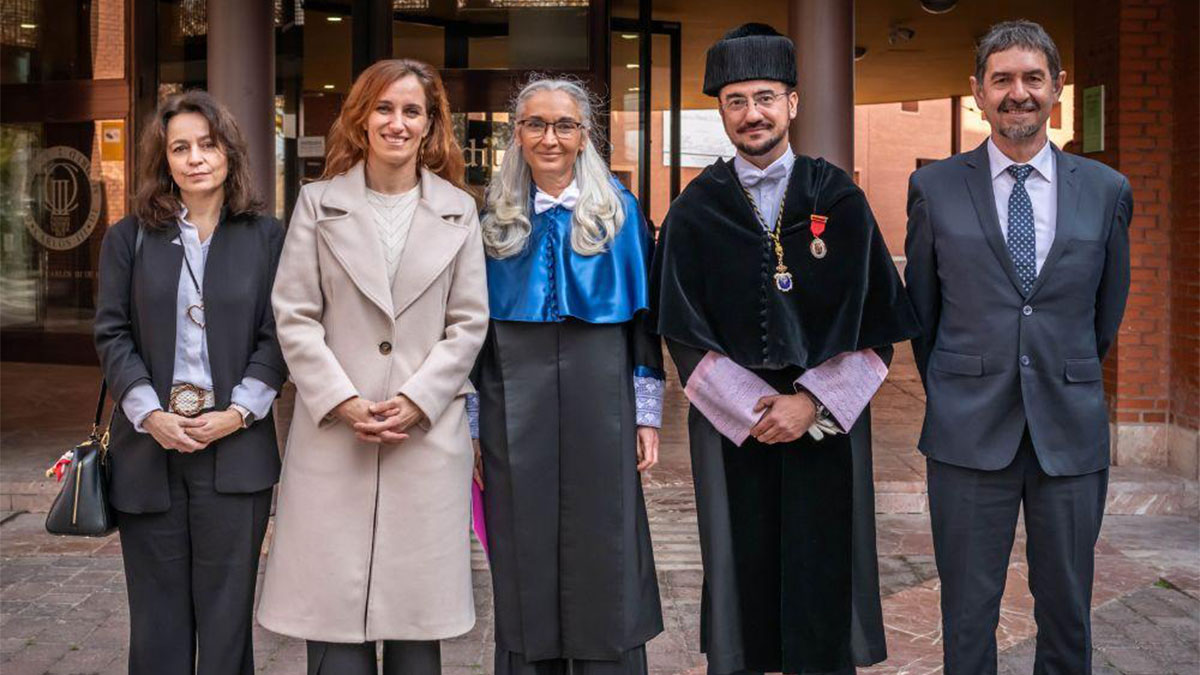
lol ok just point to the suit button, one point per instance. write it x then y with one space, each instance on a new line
385 348
1025 360
1027 310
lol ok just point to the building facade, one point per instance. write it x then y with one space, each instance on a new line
883 87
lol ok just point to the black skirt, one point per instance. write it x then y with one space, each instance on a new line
571 559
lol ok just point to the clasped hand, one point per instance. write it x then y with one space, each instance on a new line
788 416
379 422
191 434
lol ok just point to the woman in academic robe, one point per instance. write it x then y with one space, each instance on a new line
382 307
570 386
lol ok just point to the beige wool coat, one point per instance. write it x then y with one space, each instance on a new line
371 542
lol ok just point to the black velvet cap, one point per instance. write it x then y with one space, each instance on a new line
752 51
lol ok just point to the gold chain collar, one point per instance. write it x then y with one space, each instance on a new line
783 278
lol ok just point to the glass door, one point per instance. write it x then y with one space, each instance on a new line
646 102
63 169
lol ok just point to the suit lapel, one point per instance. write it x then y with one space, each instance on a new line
161 262
217 273
347 227
432 242
1067 189
979 185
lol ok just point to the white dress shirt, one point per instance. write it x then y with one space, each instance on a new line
1042 194
767 186
191 343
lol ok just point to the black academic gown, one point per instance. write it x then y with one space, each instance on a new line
787 531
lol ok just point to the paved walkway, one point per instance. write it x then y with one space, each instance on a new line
62 602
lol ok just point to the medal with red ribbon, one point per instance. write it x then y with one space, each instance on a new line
817 225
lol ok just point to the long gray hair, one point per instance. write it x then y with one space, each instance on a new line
599 213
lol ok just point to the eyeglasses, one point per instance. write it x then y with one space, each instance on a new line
763 99
536 128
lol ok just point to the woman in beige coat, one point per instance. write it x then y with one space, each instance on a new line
381 307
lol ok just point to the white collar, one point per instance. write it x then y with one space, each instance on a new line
1042 162
543 202
751 175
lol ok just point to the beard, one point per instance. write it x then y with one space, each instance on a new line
1020 132
764 146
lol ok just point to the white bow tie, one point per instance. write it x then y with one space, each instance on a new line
543 202
752 177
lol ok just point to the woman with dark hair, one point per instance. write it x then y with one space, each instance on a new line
382 306
186 340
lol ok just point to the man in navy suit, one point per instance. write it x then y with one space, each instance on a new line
1018 268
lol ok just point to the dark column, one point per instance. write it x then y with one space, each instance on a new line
823 31
955 125
372 33
241 74
645 109
676 105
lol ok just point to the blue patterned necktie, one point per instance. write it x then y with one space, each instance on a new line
1022 245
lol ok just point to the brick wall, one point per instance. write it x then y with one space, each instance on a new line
1144 147
1185 217
887 143
1184 413
1130 47
108 39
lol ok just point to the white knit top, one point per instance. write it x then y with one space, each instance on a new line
393 219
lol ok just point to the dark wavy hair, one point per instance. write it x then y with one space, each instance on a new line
347 143
157 202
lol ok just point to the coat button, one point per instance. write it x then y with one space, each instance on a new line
385 348
1025 360
1027 310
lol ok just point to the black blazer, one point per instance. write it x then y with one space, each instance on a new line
135 339
994 360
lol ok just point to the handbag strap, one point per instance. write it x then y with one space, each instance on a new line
100 403
137 250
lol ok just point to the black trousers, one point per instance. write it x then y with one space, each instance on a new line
190 573
974 518
631 662
400 657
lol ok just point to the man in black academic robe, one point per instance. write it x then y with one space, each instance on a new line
786 522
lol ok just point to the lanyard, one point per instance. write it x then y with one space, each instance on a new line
199 307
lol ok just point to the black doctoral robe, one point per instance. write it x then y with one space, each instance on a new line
787 531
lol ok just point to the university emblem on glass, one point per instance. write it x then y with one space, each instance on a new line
62 201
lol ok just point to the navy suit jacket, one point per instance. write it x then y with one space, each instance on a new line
993 359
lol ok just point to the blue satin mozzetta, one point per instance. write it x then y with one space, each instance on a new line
549 281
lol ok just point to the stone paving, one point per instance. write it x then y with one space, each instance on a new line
62 600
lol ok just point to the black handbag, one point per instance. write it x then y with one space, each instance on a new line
81 508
